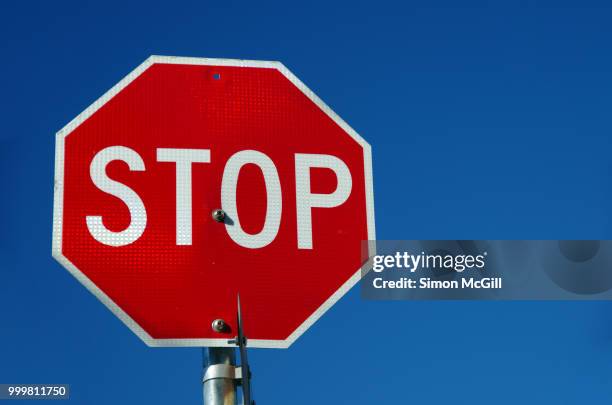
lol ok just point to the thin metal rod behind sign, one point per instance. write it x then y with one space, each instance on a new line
241 342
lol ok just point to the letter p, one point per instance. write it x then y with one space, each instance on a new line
306 200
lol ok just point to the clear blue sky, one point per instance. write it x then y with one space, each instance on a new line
487 120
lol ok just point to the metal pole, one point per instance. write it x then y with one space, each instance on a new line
219 387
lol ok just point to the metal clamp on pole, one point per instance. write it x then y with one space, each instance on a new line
222 371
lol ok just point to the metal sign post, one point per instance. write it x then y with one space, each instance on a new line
219 382
221 375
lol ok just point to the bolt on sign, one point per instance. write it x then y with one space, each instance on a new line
139 174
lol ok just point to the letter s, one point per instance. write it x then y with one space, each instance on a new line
138 213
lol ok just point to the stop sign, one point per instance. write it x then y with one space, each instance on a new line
140 171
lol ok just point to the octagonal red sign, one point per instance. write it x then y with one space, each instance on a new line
140 171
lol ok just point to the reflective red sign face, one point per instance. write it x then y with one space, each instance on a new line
139 173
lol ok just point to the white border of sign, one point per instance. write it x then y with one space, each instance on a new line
58 201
